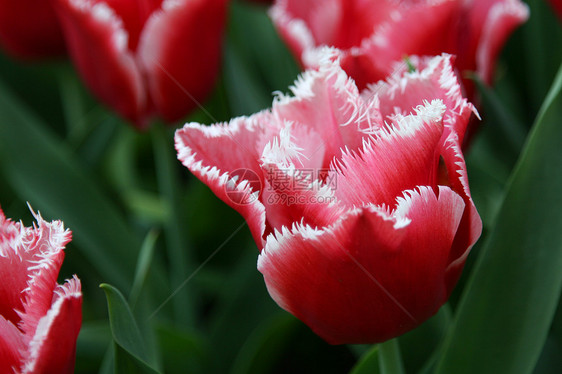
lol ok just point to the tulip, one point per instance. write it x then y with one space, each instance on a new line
39 319
146 58
373 34
29 29
358 202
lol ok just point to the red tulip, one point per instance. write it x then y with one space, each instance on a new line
373 34
30 29
146 58
39 319
359 203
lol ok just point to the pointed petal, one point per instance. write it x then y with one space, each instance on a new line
30 267
97 43
11 346
13 268
470 226
434 78
225 158
180 52
53 346
399 158
375 276
493 22
328 102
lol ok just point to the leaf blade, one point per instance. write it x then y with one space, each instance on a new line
506 311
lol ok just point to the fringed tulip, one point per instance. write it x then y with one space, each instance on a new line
358 202
146 58
39 319
29 29
373 34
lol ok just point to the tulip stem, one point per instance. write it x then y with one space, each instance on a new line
390 358
174 227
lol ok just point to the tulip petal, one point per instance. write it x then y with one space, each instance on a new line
11 346
30 267
13 268
470 226
328 102
503 16
359 280
398 159
232 147
30 29
53 346
46 243
98 44
180 53
434 78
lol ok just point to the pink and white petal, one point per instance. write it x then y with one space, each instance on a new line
180 78
293 196
295 189
370 276
411 29
401 157
470 227
29 267
53 345
98 45
503 16
227 146
11 346
304 23
13 268
294 146
224 157
434 78
45 243
294 31
328 101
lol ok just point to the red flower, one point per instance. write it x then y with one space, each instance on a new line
30 29
359 203
373 34
146 58
39 319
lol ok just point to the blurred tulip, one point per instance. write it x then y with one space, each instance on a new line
373 34
359 203
29 29
39 319
146 58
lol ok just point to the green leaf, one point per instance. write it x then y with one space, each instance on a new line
390 360
369 362
125 332
508 305
143 265
43 171
419 347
